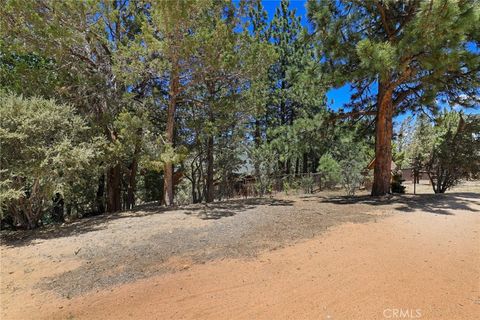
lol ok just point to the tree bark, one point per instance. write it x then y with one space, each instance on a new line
114 189
287 167
99 199
383 142
305 163
210 186
168 170
132 184
257 139
194 187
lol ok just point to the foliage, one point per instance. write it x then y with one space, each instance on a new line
354 157
46 148
397 181
351 172
330 171
446 148
398 56
423 137
456 151
264 158
307 183
178 96
417 47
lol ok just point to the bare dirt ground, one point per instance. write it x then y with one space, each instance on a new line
320 256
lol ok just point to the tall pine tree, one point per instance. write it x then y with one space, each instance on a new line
398 56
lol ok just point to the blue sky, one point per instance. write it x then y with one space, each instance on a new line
336 97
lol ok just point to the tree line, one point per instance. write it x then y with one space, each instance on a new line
105 104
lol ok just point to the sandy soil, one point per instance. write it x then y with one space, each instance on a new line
292 257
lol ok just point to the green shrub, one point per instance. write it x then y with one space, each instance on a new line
329 170
46 148
397 181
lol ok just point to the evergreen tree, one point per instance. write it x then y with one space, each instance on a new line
81 40
455 152
421 145
297 90
398 56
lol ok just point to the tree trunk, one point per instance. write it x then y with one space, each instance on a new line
99 199
257 139
194 190
168 172
114 189
383 142
305 163
210 186
132 184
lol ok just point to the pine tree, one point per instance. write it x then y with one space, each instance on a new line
398 56
297 90
286 36
227 65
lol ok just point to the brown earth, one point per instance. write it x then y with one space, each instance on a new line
293 257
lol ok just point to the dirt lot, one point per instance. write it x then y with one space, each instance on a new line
318 256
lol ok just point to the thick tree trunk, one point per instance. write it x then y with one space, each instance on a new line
114 189
210 186
168 172
383 142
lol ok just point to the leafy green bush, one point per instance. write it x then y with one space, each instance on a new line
46 148
330 171
397 181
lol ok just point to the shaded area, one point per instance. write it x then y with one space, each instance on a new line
229 208
27 237
195 234
431 203
150 240
77 227
214 210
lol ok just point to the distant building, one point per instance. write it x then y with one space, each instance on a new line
371 165
407 174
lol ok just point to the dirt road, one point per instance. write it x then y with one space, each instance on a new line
326 257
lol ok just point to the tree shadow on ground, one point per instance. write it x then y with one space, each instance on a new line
431 203
215 210
82 225
229 208
20 238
